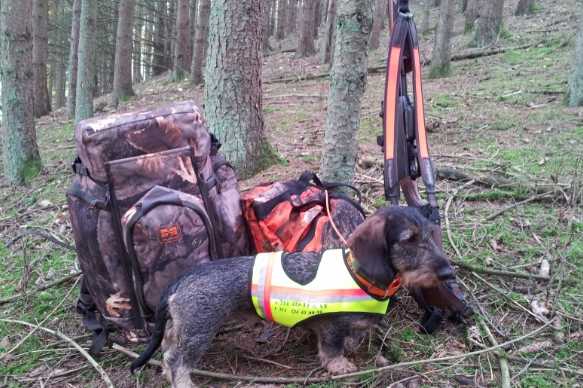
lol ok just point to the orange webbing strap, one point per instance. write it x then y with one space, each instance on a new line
404 58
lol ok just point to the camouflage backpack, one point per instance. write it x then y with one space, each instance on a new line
151 198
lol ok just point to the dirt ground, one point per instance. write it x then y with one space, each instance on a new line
510 161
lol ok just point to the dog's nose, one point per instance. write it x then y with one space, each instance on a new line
445 273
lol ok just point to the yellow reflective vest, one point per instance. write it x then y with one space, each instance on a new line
278 298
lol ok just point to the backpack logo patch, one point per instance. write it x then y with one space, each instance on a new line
170 234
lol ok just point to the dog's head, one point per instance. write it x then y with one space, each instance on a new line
399 240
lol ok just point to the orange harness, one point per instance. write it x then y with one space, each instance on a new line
368 285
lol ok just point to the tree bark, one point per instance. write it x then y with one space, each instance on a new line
181 58
347 86
306 46
317 17
575 95
40 56
292 20
471 15
489 23
426 19
265 34
328 39
19 149
524 7
441 56
200 41
282 6
61 66
122 76
377 24
73 59
86 67
137 58
159 64
233 100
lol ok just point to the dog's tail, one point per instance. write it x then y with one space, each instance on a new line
160 320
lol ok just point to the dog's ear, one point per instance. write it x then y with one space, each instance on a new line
369 246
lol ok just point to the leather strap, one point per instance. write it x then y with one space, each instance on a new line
371 288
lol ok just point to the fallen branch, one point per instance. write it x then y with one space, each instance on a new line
515 205
62 336
381 68
303 380
42 288
502 358
508 274
44 233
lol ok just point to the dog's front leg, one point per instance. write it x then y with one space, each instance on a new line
331 339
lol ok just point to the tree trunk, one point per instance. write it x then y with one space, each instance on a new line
266 21
40 56
292 20
181 57
20 152
306 46
489 22
575 95
233 101
138 35
426 20
328 39
347 85
61 66
200 41
73 59
281 19
86 70
159 65
441 56
524 7
317 17
122 76
377 24
471 15
170 43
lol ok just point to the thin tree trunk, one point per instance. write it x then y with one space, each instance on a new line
441 56
328 39
317 17
292 20
471 15
200 41
306 46
86 70
40 56
282 6
159 65
575 95
266 20
61 66
138 59
122 76
233 100
181 57
193 12
426 19
170 46
19 148
377 24
347 86
73 59
525 7
489 22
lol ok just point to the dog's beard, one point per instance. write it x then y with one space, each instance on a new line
419 278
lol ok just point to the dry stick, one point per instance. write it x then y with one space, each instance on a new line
44 233
458 253
42 288
504 368
513 206
3 356
284 380
62 336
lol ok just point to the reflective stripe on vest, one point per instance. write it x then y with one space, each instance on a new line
278 298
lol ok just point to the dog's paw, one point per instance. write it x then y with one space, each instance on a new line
381 361
340 365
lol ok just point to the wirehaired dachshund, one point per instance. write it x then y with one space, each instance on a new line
394 241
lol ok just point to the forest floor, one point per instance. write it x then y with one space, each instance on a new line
500 120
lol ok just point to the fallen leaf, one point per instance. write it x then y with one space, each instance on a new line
545 268
539 308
